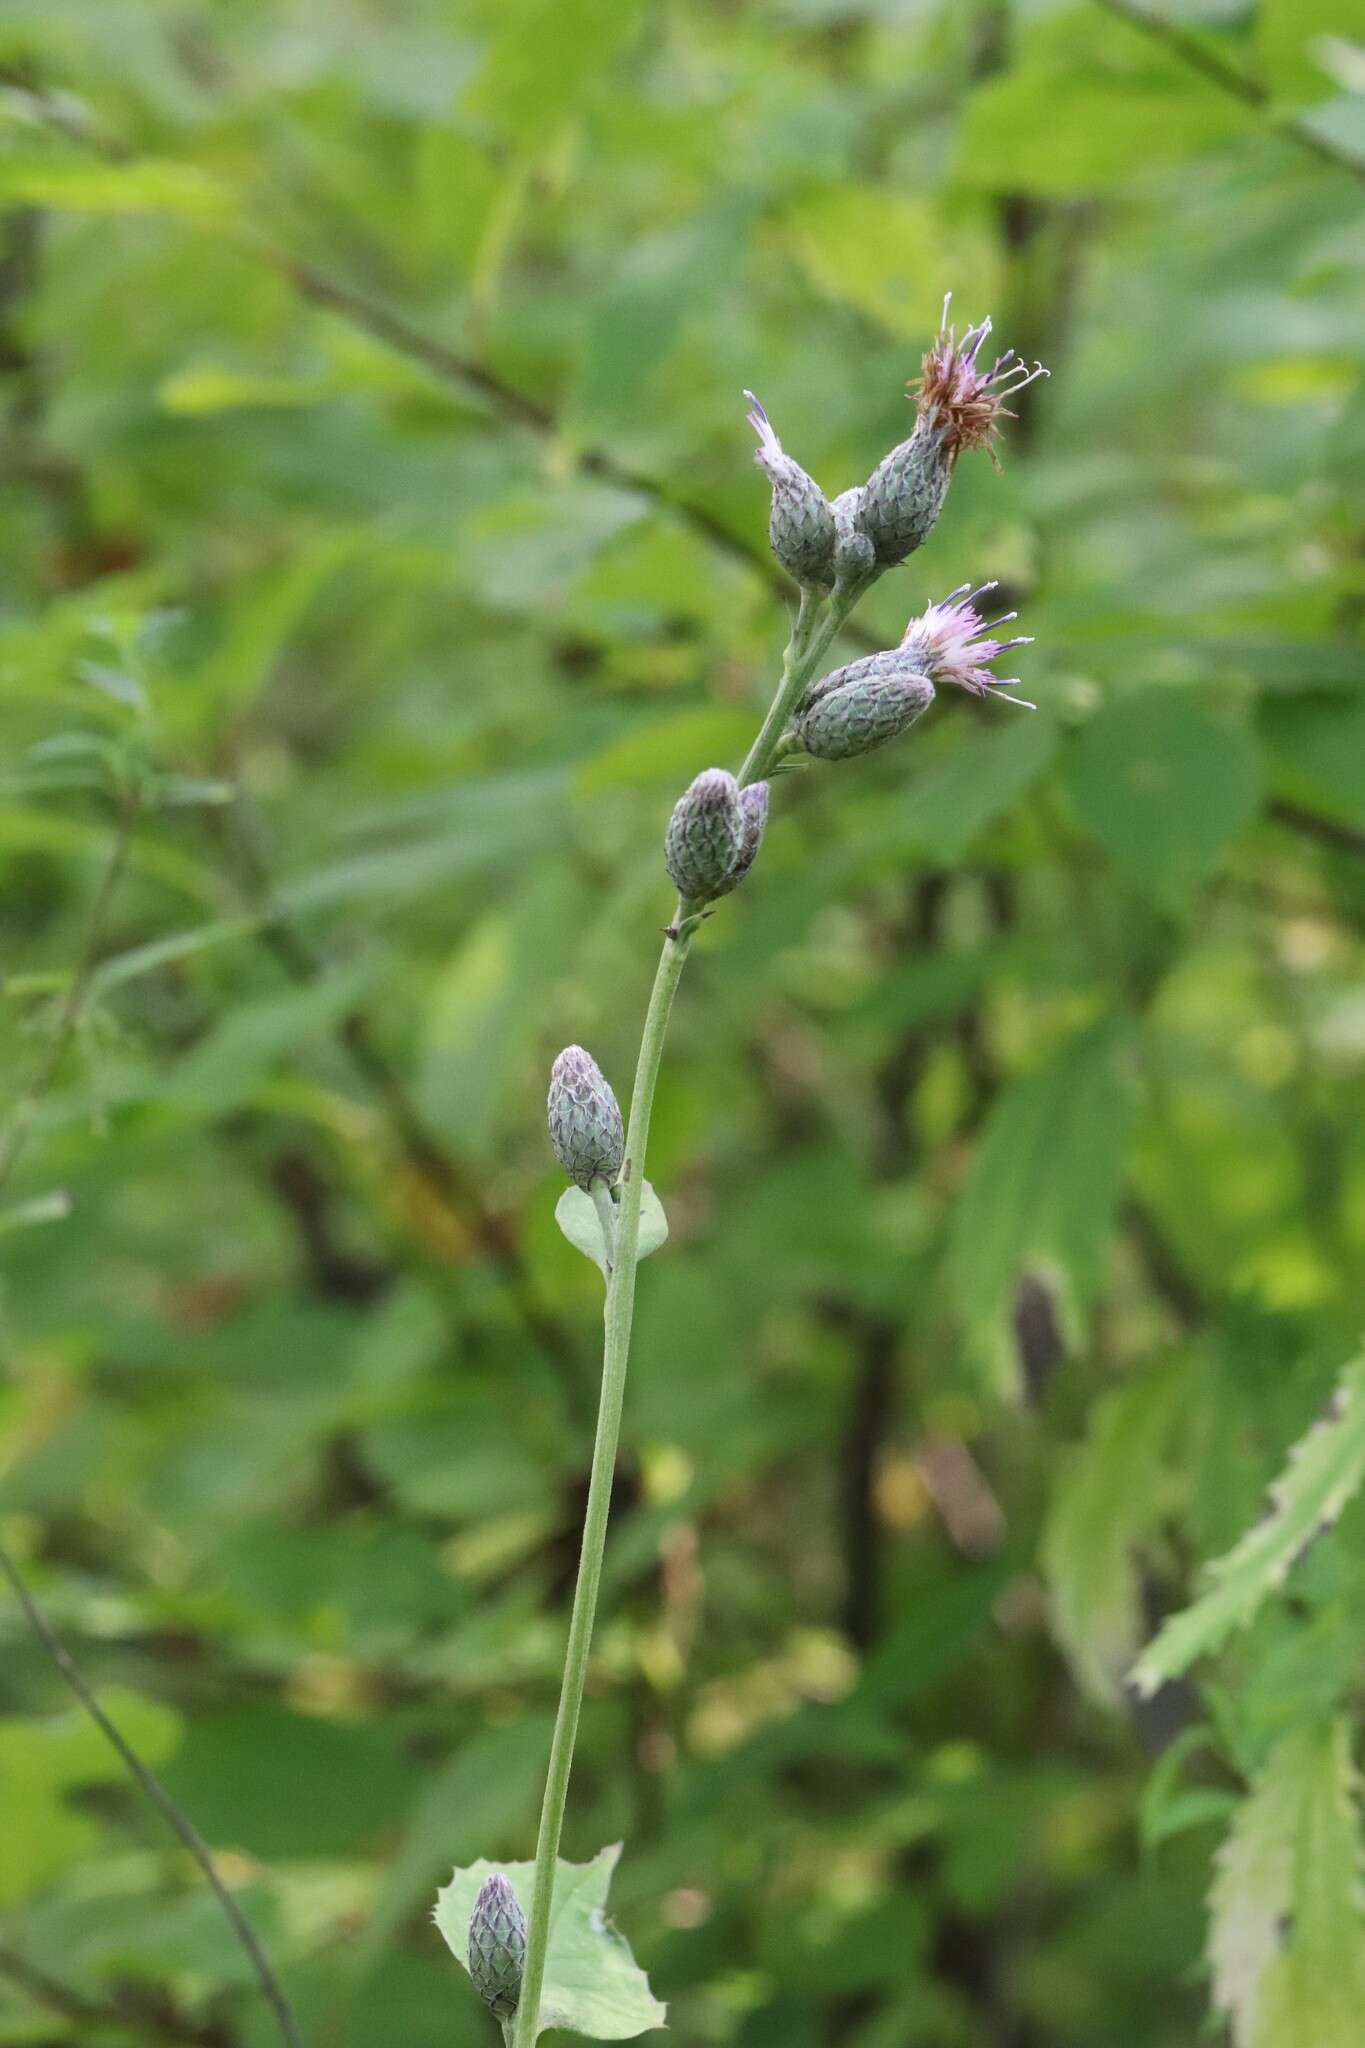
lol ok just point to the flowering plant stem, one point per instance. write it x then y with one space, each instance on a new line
817 622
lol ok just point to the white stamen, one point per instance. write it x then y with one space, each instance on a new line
1029 376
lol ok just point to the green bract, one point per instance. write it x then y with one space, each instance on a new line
704 842
497 1945
904 496
585 1119
862 706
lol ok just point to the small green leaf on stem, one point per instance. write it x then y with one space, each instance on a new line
593 1984
577 1217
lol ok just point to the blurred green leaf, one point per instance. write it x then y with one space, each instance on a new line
1287 1941
1322 1473
1165 786
1044 1180
1110 1498
150 185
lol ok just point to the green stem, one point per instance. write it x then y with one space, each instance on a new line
619 1312
606 1216
815 627
812 633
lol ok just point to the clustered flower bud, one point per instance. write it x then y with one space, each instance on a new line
958 405
497 1946
801 523
854 555
753 811
586 1130
862 706
704 842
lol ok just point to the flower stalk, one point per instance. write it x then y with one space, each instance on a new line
836 552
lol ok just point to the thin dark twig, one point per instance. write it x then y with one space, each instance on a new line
14 1140
171 1812
162 2025
468 373
1232 81
1333 832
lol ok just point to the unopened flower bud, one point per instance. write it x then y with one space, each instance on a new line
854 555
753 809
705 836
585 1120
497 1946
904 496
958 405
801 523
862 706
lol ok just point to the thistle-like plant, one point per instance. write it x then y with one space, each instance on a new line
834 550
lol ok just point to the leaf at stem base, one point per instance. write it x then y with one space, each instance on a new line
593 1985
580 1223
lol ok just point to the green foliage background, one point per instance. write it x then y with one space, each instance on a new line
381 553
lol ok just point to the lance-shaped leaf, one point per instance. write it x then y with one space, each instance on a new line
1111 1496
1324 1469
1044 1181
1287 1934
593 1985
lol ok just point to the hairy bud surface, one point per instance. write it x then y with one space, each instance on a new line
705 837
801 522
862 706
497 1946
753 810
586 1130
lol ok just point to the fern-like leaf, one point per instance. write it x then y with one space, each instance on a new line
1324 1469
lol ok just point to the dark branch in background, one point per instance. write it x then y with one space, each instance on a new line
157 2022
1167 1273
148 1782
1229 79
469 374
1330 832
14 1140
335 1272
440 1166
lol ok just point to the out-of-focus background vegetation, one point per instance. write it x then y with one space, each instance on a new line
380 553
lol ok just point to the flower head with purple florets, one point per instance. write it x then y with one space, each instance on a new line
961 401
950 642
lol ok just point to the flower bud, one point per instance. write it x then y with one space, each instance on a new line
705 836
854 555
800 524
497 1946
958 405
904 496
753 808
862 706
585 1120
